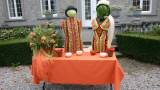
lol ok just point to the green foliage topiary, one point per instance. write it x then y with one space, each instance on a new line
140 46
14 48
15 51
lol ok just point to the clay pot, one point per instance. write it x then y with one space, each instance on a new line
92 52
110 51
59 52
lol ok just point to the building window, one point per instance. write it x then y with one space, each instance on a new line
14 9
145 5
48 6
136 3
87 9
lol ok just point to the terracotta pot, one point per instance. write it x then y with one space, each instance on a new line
110 51
110 54
59 52
93 53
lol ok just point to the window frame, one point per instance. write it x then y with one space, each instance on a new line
141 7
136 1
49 7
88 17
16 13
150 7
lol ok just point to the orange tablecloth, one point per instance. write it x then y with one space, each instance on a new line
84 70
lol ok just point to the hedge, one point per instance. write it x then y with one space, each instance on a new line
145 48
17 52
14 47
14 33
14 52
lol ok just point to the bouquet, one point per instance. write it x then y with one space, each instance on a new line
43 38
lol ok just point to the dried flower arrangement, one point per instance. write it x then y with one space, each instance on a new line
43 38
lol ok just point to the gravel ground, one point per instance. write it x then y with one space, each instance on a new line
138 76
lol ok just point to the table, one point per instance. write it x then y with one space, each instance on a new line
83 70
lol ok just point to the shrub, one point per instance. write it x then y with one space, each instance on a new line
14 33
155 30
140 46
15 51
14 48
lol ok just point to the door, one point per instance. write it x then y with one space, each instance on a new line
88 12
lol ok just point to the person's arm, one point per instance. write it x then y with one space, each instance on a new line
111 31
